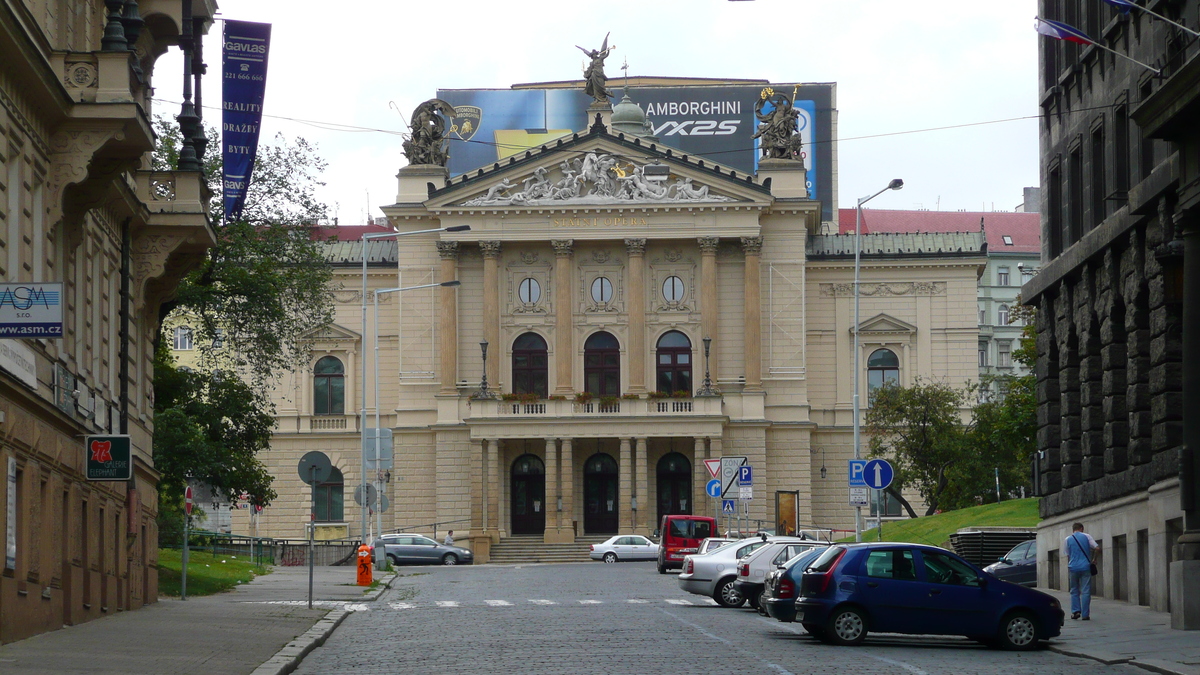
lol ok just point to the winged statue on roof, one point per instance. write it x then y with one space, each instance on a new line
595 82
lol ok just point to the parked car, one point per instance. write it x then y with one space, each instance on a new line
779 586
753 569
713 574
1018 566
908 588
625 547
680 535
711 544
414 549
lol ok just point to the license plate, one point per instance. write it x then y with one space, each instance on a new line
799 616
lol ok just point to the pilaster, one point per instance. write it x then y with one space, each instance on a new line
550 535
642 480
624 487
563 309
636 298
700 477
708 304
448 307
567 474
491 308
493 492
752 246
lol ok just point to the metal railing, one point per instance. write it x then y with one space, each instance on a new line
270 551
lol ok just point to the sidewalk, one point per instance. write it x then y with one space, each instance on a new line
1122 633
230 633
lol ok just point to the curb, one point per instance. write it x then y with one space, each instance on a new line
288 659
1110 659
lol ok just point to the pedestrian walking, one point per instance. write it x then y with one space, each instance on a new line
1081 550
449 538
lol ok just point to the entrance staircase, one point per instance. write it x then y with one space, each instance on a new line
529 548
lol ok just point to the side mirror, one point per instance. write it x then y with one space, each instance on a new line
983 581
1004 559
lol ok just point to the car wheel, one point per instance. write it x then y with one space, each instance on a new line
393 559
762 606
449 559
846 626
814 630
754 601
662 569
727 595
610 557
1018 631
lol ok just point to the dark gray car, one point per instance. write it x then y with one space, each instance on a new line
414 549
1018 566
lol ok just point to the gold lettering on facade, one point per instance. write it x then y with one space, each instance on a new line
618 221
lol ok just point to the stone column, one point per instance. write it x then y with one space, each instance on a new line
624 487
491 308
642 479
567 478
701 478
493 451
563 310
708 310
550 535
478 460
448 301
714 451
753 313
636 298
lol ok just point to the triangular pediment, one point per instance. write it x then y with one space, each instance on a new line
599 169
883 323
331 333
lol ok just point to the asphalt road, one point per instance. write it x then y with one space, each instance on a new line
623 618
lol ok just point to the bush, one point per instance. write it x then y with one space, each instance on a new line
584 397
658 394
630 397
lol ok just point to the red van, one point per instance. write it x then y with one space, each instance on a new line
680 536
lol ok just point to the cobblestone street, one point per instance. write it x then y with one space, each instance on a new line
624 618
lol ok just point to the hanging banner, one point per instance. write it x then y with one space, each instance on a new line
244 83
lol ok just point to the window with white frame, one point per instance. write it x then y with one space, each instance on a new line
983 354
1004 353
529 291
883 367
183 338
1002 276
1002 315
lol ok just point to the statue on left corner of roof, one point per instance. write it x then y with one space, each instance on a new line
594 81
427 142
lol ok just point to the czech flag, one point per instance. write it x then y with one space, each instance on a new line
1061 31
1123 5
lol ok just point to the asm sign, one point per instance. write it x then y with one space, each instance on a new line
108 458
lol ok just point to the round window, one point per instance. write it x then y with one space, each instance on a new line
602 290
530 291
673 289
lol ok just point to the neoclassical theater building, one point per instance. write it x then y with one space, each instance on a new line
642 311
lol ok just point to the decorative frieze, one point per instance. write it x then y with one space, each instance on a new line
885 289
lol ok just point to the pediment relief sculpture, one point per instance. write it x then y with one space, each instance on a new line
882 323
596 178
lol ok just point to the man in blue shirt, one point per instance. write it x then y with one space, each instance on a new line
1080 550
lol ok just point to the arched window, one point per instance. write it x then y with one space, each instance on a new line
183 338
602 365
329 387
529 365
674 363
329 498
882 367
1002 315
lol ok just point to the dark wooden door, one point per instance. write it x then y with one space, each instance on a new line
528 490
600 498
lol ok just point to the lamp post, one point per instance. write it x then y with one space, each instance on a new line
362 425
896 184
707 389
484 392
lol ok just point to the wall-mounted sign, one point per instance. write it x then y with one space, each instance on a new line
108 457
31 310
19 360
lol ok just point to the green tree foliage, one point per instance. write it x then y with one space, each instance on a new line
920 430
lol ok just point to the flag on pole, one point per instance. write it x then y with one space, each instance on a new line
1061 31
1123 5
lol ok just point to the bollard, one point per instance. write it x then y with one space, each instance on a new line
364 565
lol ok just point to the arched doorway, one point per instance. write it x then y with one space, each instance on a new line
528 488
674 485
600 495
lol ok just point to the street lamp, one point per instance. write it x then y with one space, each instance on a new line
363 408
379 483
484 393
896 184
707 389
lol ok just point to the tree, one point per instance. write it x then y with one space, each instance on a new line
920 429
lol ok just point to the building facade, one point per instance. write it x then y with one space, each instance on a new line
78 206
1117 301
603 395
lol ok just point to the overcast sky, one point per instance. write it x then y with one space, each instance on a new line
899 67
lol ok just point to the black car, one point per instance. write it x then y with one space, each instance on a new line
1018 566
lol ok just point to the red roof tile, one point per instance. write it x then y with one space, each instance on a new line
1024 229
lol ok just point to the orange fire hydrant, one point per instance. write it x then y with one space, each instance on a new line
364 565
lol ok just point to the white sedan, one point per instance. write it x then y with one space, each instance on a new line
625 547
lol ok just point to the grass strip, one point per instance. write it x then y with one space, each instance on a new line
207 573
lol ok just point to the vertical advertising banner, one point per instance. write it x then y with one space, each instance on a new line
244 83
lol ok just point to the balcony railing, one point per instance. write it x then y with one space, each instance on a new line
622 408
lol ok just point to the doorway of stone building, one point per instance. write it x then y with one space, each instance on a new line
528 490
600 505
674 486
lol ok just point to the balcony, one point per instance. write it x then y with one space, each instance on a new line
622 408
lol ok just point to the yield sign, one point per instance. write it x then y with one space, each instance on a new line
713 466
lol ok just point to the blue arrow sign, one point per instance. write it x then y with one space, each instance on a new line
713 488
856 473
745 475
878 474
728 506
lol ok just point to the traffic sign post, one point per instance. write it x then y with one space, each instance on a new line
713 488
878 474
728 506
314 468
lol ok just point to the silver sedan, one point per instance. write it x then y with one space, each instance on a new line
413 549
713 574
625 547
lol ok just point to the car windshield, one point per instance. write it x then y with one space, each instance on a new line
825 561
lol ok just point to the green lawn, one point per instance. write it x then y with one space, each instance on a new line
207 573
936 530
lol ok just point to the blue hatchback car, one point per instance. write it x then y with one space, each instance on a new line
908 588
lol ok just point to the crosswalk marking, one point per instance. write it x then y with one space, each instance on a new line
543 602
590 602
709 601
447 603
637 601
498 603
677 601
401 605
